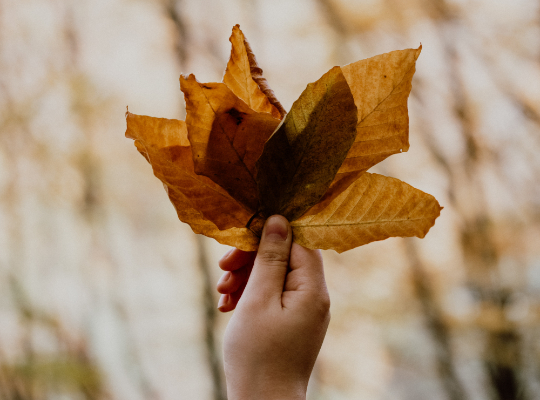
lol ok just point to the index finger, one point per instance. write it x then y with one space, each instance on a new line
236 259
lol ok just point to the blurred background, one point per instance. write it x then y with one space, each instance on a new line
104 294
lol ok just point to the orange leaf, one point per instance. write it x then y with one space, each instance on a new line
198 200
242 70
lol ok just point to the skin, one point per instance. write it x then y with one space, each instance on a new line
282 314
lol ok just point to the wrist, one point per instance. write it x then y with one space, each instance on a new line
264 394
265 389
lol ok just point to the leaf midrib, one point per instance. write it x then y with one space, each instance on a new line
358 223
230 142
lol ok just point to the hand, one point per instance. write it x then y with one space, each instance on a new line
282 314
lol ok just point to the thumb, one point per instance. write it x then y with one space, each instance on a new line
270 267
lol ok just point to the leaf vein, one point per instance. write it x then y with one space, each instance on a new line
390 94
373 140
231 143
374 200
322 225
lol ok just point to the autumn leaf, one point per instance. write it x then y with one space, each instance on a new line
232 164
302 157
374 208
198 200
244 77
242 238
225 135
380 86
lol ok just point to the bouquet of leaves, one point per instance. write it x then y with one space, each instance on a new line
240 157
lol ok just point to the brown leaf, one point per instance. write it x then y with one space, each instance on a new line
380 86
374 208
197 199
244 77
302 157
227 137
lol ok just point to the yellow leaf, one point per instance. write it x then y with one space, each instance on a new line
374 208
380 86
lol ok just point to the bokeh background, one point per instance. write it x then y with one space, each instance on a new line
104 294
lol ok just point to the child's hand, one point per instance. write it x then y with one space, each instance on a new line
274 337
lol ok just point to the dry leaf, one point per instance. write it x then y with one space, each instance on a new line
242 238
198 200
374 208
380 86
227 137
232 164
244 77
302 157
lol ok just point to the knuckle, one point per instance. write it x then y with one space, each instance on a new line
317 306
273 257
325 305
322 306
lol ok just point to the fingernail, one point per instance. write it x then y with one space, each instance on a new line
223 300
276 228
